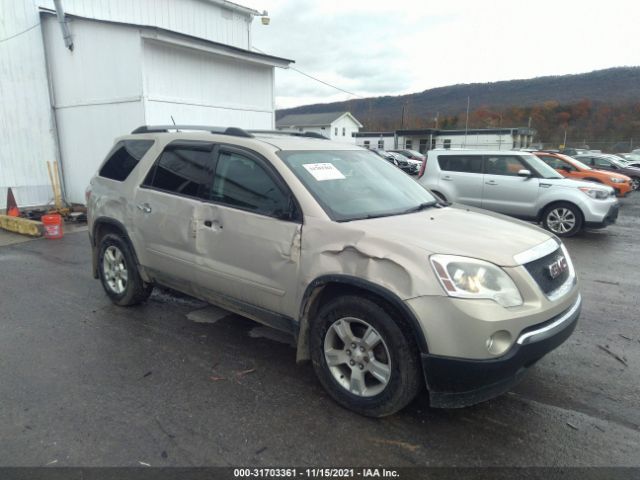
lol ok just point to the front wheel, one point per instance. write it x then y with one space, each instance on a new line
563 219
635 183
362 357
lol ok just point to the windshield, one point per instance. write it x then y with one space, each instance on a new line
580 164
354 184
541 168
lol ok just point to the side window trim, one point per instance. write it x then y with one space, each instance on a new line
269 169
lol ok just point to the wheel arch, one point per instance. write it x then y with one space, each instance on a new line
326 287
101 227
546 207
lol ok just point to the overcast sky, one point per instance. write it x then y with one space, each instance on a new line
375 47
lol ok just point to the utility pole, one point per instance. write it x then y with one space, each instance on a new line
466 123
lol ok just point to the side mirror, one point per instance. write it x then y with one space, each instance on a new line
524 173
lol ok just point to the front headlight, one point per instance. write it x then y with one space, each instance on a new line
465 277
597 193
616 180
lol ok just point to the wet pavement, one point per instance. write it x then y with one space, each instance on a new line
174 382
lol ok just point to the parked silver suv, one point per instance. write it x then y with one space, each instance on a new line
385 289
521 185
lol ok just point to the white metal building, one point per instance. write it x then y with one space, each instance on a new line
339 126
429 138
131 63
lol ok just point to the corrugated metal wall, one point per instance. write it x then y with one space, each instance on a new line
201 87
26 133
199 18
97 91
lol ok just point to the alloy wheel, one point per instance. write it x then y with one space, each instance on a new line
114 268
561 220
357 356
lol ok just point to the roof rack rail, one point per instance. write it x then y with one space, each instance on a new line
233 131
291 133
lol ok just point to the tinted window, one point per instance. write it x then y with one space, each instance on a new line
123 158
504 165
241 182
182 169
556 163
460 163
602 162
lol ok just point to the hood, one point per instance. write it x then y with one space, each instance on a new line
612 174
459 230
574 183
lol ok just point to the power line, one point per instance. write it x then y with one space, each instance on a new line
316 79
19 33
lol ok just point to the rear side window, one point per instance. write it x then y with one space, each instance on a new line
182 169
123 158
241 182
460 163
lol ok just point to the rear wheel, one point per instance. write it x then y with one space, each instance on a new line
362 357
563 219
119 273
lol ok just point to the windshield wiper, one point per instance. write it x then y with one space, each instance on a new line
422 206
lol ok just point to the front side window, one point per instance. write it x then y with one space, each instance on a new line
460 163
507 165
243 183
182 169
123 158
355 184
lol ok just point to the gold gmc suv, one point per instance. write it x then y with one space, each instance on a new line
386 290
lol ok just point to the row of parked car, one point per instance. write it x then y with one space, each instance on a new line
564 193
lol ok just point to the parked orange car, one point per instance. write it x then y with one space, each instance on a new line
571 168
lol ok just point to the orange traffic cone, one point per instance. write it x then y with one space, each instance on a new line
12 206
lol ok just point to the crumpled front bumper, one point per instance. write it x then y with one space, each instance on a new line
456 382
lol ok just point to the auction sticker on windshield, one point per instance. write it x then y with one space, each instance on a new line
324 171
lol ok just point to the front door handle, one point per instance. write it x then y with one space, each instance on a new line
491 182
144 207
213 224
448 178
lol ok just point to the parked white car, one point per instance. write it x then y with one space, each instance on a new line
521 185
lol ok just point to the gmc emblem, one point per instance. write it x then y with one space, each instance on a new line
558 267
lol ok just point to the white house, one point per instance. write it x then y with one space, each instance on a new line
430 138
125 64
340 126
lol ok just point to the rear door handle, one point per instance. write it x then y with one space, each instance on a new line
491 182
447 177
144 207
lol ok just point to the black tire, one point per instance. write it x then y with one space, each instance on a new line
553 215
398 343
635 181
134 290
